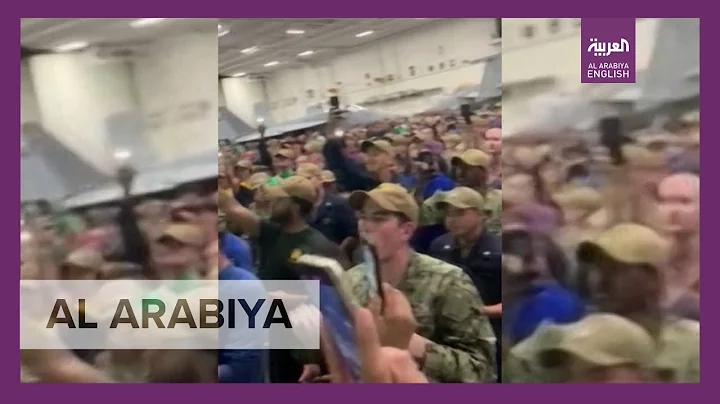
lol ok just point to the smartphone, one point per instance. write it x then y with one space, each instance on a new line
336 308
371 264
334 102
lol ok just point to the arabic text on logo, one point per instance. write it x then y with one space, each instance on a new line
608 48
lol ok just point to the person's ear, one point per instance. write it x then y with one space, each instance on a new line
408 230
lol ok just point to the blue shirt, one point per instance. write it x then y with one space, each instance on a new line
239 365
542 303
236 250
439 182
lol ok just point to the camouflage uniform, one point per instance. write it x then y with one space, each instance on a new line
676 352
431 215
447 307
493 207
677 359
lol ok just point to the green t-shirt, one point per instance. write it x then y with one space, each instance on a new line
277 249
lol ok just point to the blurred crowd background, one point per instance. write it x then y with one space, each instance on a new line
601 211
478 178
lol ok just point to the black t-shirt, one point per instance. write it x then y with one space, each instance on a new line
276 248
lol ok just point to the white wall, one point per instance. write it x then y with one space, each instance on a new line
29 110
75 96
241 94
178 94
448 42
547 54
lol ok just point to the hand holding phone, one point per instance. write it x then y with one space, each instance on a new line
394 318
378 363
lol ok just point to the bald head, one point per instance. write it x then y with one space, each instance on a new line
686 183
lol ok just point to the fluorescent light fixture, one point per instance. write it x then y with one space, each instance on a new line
249 50
260 120
122 154
339 133
273 63
72 46
222 31
362 34
306 53
241 74
144 22
294 32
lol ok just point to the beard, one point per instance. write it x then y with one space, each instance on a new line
281 217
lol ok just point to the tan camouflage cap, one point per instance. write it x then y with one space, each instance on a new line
267 193
472 157
606 340
390 197
462 198
258 179
247 164
327 176
298 187
382 145
583 198
628 243
308 170
87 258
287 153
184 233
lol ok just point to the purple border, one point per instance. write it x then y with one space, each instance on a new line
326 393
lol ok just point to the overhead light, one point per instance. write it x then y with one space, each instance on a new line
144 22
294 32
71 46
122 154
270 64
249 50
260 120
241 74
222 31
306 53
362 34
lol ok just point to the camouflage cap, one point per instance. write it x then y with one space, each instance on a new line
472 157
267 193
462 198
258 179
184 233
583 198
299 187
380 144
87 258
627 243
308 170
247 164
286 153
390 197
327 176
605 340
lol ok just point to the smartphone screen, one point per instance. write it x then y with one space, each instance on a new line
370 263
337 320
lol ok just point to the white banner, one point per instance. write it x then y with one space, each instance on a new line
181 314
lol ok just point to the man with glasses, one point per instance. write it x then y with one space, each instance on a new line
454 341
